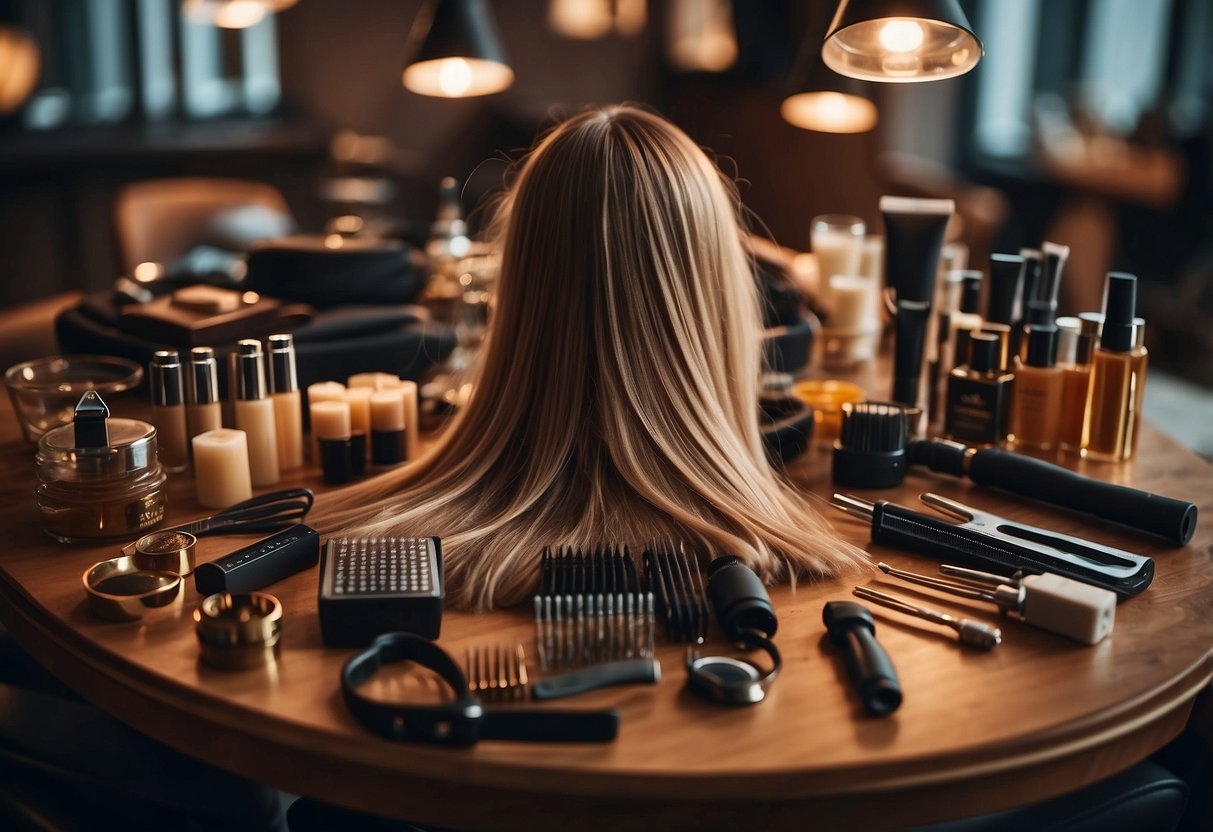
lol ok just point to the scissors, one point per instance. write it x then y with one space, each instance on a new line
266 513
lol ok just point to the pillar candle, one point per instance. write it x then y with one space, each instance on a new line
854 303
375 381
325 391
387 411
331 420
359 400
221 468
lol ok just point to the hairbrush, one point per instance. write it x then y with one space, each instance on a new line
871 447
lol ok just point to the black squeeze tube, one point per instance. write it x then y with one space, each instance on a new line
903 528
910 335
1005 278
913 242
1166 517
851 628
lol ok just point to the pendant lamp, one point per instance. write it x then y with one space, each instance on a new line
820 99
900 41
454 51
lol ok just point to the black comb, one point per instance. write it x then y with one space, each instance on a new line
676 584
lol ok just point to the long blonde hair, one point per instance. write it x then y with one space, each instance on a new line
616 399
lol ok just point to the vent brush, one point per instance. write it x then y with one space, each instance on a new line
871 447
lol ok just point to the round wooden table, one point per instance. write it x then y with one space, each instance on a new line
1034 718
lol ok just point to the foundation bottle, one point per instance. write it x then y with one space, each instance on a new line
1076 349
288 409
979 394
168 409
1118 376
1036 403
255 413
202 409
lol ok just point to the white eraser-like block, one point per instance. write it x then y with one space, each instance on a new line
1067 607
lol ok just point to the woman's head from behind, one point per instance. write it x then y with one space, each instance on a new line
616 401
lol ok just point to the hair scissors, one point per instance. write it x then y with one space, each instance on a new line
266 513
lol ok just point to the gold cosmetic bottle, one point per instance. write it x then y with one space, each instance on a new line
255 413
203 411
979 394
1075 351
168 409
1118 377
1036 403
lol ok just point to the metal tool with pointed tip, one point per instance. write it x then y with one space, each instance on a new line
972 633
1060 605
986 540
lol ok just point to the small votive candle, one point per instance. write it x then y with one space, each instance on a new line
221 467
387 428
331 425
853 332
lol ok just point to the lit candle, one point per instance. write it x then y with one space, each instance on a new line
221 468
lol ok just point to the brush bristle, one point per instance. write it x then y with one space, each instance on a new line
874 426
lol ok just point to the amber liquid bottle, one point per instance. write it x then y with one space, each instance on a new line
979 394
1036 403
1076 379
1118 377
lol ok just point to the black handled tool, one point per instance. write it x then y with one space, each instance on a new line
1026 476
987 541
851 629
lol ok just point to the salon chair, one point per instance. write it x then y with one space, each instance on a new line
162 220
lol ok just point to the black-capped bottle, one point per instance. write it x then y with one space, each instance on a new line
979 394
1118 376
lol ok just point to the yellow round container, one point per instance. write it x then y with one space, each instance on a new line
827 397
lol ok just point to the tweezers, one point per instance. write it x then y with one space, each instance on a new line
989 541
266 513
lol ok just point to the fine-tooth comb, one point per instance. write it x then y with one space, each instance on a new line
674 579
496 673
590 609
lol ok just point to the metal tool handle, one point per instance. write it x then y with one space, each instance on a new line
903 528
629 672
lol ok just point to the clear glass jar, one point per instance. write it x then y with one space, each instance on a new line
100 493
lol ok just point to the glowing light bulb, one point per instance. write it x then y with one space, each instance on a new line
240 14
454 77
901 35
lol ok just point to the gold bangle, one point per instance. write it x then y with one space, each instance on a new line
239 630
166 551
118 590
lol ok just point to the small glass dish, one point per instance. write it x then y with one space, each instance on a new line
45 391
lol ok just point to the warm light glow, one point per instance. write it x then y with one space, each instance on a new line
829 112
148 272
19 67
233 14
457 77
593 19
454 77
901 35
701 35
239 14
334 241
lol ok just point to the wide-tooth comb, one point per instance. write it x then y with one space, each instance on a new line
674 578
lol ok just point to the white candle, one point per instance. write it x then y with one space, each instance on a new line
837 252
408 393
853 303
325 391
387 411
221 468
359 400
331 420
375 381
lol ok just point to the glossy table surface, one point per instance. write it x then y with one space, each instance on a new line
1035 717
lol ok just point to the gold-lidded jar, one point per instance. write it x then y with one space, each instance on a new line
103 492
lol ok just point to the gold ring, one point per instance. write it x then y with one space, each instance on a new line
118 590
166 551
239 630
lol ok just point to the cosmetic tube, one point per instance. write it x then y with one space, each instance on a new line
255 413
1037 394
914 230
221 468
168 409
1006 274
979 394
202 409
331 426
1075 351
1029 286
1118 376
910 335
1055 256
387 428
288 410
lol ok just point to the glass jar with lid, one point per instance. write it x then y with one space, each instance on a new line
100 482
